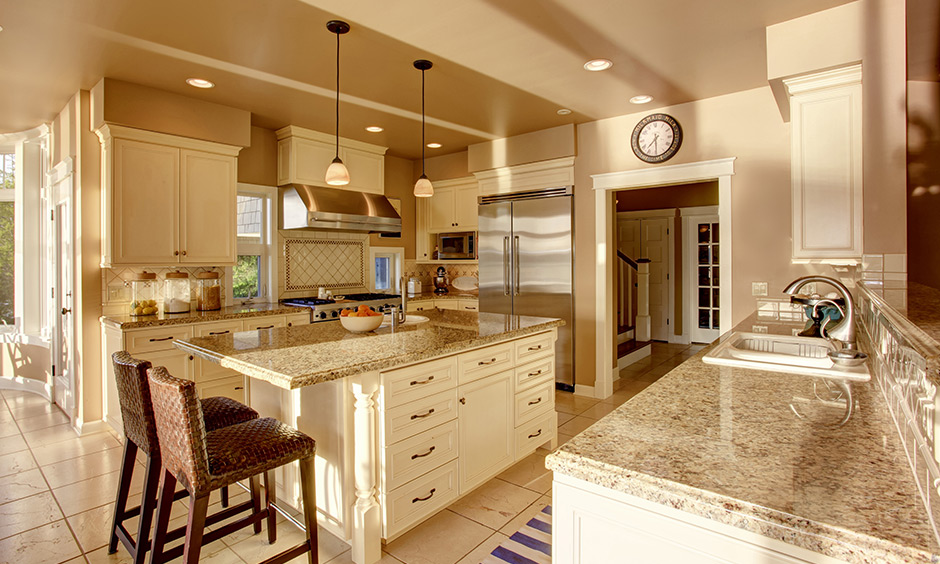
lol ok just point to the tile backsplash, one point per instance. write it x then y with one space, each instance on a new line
426 272
116 289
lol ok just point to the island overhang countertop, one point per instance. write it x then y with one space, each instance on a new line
763 452
294 357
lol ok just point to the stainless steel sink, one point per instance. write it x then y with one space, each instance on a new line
409 320
783 353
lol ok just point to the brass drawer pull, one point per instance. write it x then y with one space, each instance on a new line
218 332
419 382
536 434
430 450
239 387
486 362
538 348
536 401
430 411
469 307
265 327
536 373
163 339
429 496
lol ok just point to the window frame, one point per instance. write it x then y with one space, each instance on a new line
265 249
397 271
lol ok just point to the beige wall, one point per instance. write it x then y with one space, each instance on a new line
257 163
444 167
679 196
745 125
547 144
30 362
133 105
399 183
923 195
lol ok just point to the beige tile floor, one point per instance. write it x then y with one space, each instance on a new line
57 490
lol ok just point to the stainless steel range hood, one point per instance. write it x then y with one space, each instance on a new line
314 207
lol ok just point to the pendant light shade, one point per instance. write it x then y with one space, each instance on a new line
423 187
336 174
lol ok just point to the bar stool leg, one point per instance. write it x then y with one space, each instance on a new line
164 506
254 485
309 492
124 486
148 503
224 494
269 500
195 527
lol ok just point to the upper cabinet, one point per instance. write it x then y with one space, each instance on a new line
826 165
303 155
166 200
453 207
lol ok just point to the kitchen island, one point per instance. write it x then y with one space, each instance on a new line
406 420
720 464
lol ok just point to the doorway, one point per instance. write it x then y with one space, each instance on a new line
649 235
61 268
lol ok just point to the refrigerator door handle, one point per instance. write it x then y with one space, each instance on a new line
515 263
506 280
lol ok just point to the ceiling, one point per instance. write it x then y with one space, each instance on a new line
501 67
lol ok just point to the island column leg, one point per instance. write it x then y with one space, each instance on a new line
367 533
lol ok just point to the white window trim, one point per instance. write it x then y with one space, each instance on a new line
397 254
266 248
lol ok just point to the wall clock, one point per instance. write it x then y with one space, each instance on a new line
656 138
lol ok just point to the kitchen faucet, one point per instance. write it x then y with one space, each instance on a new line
399 316
845 330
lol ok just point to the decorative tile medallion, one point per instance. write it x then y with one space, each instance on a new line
311 263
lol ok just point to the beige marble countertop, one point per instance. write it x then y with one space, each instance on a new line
452 294
724 443
231 312
293 357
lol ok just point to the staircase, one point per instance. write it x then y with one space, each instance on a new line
633 319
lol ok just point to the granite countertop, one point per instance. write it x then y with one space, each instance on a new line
915 309
293 357
724 443
452 294
232 312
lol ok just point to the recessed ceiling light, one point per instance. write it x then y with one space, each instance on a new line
200 83
644 99
598 65
374 129
563 111
434 145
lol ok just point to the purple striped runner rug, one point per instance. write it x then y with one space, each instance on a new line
532 544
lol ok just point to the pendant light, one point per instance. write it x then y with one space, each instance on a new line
423 188
336 174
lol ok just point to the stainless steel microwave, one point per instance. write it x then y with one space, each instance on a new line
457 246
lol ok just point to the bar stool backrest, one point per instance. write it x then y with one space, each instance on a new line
181 429
136 406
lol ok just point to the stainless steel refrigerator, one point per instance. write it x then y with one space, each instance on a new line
525 247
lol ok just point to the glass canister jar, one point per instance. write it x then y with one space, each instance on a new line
176 292
208 291
144 294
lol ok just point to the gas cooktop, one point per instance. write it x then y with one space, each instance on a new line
328 309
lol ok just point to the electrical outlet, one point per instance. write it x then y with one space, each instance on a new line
758 328
758 288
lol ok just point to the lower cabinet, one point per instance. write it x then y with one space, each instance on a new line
485 422
462 304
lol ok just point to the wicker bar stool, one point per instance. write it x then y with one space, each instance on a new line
203 461
140 433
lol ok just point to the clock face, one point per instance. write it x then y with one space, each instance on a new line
656 138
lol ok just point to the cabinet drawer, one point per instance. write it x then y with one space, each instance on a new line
254 324
412 457
206 370
419 381
536 346
156 339
418 499
297 320
533 373
422 305
477 364
447 304
220 328
420 415
532 403
235 387
535 433
469 305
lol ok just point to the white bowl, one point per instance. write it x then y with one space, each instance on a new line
361 324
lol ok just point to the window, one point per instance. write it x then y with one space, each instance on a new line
386 266
7 239
251 277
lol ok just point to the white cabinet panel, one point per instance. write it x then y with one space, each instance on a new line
161 338
485 423
418 499
235 387
477 364
303 155
207 208
419 381
465 207
447 304
442 210
412 457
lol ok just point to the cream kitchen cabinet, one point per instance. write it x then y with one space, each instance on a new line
166 200
485 423
826 165
459 304
303 155
453 207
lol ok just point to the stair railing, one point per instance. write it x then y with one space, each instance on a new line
634 307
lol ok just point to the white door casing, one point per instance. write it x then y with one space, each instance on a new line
62 236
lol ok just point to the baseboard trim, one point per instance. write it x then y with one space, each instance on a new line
634 356
27 385
91 427
582 390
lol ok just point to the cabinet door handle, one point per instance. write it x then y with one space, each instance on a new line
430 450
536 373
161 339
419 382
190 357
239 387
536 401
184 253
218 332
265 327
486 362
469 307
429 496
536 434
416 416
463 401
176 253
538 348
